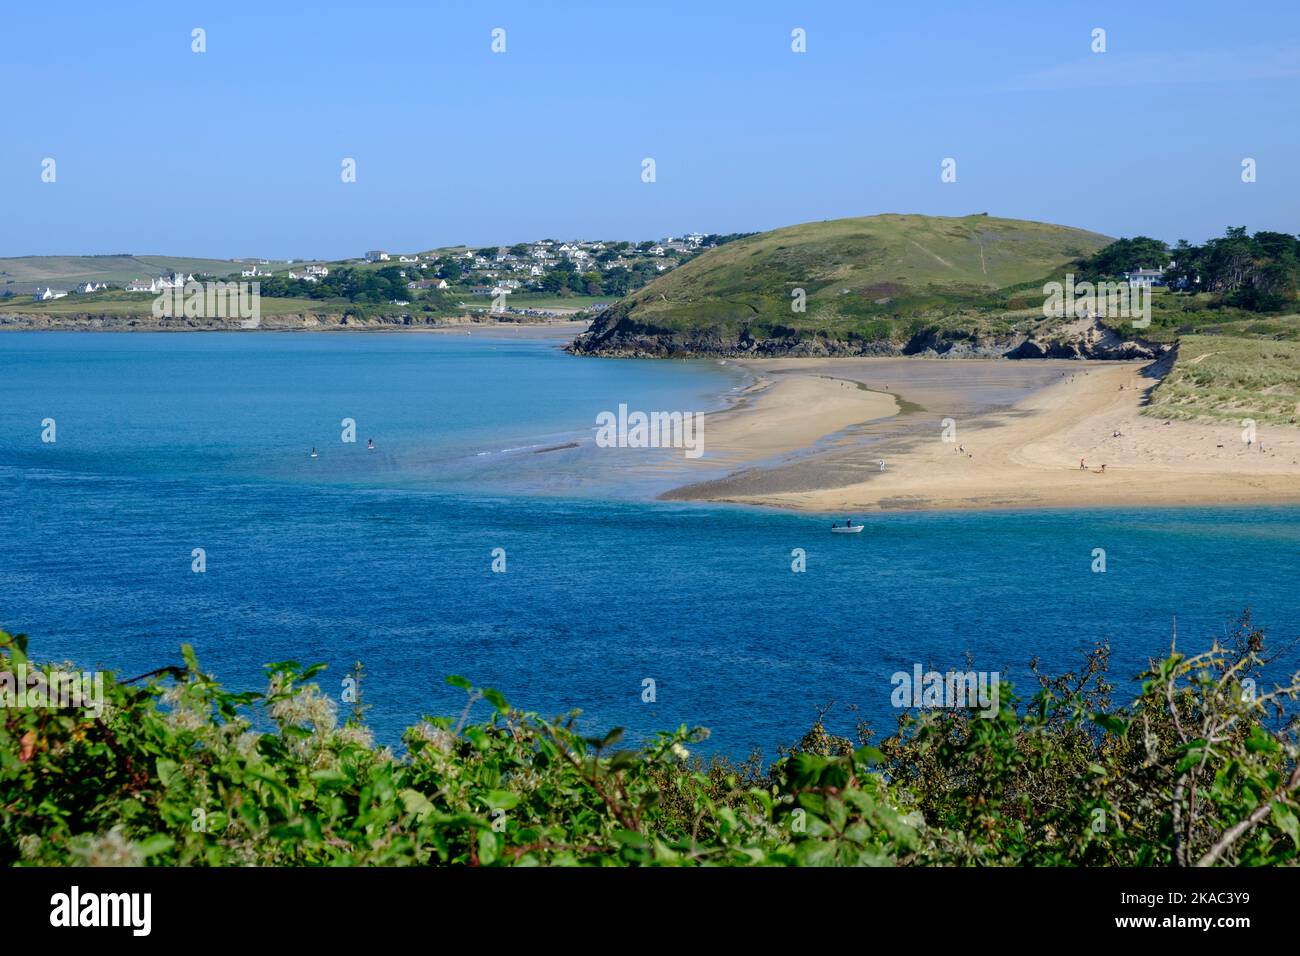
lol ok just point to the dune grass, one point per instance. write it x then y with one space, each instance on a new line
1228 378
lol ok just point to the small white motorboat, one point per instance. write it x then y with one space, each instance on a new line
851 529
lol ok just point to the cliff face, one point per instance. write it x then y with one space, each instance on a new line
616 335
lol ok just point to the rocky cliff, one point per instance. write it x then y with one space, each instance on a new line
618 336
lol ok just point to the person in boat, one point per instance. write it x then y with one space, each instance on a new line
313 452
370 444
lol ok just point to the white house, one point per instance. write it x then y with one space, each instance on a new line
321 271
177 281
46 295
1145 278
88 287
657 251
408 258
139 285
377 255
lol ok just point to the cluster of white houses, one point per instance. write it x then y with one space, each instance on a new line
501 271
507 269
310 274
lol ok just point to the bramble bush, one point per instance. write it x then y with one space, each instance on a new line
1199 769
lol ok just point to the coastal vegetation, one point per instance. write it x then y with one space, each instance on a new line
1199 767
1227 379
1258 273
368 286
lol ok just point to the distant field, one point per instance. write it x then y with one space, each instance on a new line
1227 378
26 273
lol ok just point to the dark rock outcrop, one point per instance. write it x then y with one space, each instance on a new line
615 334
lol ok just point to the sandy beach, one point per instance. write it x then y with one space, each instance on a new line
979 434
777 415
560 329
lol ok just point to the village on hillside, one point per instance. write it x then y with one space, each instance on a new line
545 268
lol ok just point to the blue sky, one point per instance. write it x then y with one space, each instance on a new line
237 151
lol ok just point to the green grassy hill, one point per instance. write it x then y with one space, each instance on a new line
870 279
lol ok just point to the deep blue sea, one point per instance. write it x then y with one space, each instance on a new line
166 443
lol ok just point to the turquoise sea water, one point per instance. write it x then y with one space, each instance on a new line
166 443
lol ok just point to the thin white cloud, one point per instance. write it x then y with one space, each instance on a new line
1114 69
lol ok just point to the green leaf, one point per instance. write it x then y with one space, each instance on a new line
158 843
167 770
501 799
1110 723
489 845
1261 741
1286 821
455 680
416 803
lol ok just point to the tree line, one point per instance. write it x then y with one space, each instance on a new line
1260 272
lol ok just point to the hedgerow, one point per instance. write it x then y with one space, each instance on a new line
1200 769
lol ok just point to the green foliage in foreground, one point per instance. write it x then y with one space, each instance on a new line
172 772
